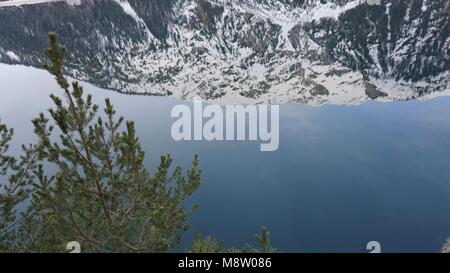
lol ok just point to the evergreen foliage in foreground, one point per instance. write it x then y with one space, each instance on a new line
100 195
211 245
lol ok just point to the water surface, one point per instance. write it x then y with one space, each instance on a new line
343 175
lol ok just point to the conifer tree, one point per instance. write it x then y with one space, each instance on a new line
211 245
85 181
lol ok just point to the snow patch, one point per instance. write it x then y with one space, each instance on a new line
11 55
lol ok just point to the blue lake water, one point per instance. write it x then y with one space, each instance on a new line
343 175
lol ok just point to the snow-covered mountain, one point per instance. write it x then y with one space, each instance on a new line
311 51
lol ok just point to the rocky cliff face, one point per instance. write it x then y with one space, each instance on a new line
335 51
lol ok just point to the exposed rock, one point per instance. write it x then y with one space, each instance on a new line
446 247
373 92
320 90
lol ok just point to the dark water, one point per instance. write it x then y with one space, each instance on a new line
343 176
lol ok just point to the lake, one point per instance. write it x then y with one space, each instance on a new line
343 175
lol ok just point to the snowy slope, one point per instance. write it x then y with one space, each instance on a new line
316 52
9 3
